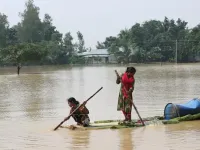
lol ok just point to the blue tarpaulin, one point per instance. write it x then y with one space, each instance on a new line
178 110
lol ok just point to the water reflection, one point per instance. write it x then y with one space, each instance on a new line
80 139
4 96
75 139
185 133
31 102
125 136
183 126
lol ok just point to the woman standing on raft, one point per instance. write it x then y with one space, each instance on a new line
125 98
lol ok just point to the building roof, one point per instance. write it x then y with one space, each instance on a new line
95 52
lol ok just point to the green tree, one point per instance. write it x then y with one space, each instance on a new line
12 36
69 47
30 28
3 29
154 39
81 42
48 28
100 45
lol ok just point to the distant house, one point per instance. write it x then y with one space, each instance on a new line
98 56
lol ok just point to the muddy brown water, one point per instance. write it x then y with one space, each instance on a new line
34 102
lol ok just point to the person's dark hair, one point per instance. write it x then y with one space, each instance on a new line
131 70
73 100
127 69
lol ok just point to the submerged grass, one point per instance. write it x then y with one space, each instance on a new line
133 121
184 118
160 118
106 121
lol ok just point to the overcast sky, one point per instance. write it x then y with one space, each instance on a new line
97 19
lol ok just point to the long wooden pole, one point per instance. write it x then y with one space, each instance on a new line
132 103
77 108
138 114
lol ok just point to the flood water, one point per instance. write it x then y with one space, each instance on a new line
34 102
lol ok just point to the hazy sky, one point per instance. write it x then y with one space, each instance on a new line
97 19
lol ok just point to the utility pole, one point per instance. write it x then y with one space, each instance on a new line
176 51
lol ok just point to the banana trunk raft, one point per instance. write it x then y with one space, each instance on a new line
118 124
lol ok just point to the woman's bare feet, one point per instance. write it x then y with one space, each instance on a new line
125 120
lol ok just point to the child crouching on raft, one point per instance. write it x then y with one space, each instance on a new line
81 115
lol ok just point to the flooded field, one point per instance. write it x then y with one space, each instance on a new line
34 102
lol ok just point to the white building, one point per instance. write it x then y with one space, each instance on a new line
98 56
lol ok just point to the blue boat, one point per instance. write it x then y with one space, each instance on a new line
179 110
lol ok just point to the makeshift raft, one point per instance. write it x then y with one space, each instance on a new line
173 114
115 124
118 124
